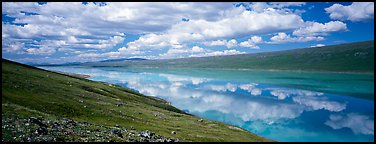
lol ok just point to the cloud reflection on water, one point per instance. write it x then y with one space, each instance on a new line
264 109
359 124
220 97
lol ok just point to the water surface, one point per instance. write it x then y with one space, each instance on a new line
283 106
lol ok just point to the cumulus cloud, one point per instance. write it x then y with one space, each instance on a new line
314 28
60 27
231 24
171 53
217 53
318 45
251 43
359 124
216 43
357 11
286 4
96 25
280 7
222 88
12 47
212 97
282 93
41 51
317 103
251 88
285 38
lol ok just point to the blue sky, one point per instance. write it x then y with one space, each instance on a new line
80 32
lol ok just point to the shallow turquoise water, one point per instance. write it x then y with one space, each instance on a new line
280 105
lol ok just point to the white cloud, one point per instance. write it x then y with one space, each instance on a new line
359 124
212 97
14 47
286 4
231 43
197 49
216 43
318 45
44 50
95 26
256 39
232 24
89 55
317 103
222 88
128 51
61 27
285 38
251 43
194 49
180 52
315 29
357 11
217 53
284 93
251 88
280 7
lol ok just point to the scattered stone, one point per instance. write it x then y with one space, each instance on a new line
36 121
68 130
173 132
84 123
119 104
41 131
81 101
55 124
145 134
117 132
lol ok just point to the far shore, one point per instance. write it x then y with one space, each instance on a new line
74 74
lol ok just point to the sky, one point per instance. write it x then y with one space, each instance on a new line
57 32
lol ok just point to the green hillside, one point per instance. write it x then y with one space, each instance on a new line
352 57
39 105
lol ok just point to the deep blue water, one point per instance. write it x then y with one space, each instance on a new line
278 112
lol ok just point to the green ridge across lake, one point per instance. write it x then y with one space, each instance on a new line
351 57
32 93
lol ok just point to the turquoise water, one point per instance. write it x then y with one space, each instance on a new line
280 105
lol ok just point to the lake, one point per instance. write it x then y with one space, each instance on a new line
280 105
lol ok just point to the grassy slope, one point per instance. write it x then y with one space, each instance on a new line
352 57
28 91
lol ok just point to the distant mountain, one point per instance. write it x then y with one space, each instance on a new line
123 59
351 57
80 63
48 64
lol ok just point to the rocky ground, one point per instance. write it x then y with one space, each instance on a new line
40 129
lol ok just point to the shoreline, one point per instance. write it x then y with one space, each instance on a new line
250 69
74 74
